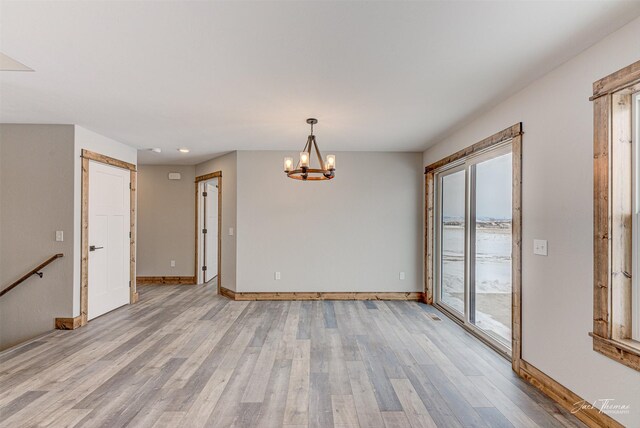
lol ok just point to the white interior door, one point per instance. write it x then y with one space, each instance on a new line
211 237
109 216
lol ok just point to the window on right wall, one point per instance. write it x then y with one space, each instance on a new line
616 285
635 291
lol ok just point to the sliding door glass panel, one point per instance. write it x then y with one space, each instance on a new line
452 233
635 226
491 291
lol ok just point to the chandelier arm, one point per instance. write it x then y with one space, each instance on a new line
305 173
322 165
311 175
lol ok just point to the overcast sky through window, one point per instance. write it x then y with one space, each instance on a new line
493 190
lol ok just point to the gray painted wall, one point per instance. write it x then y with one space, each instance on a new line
36 199
363 228
558 206
166 213
40 188
356 232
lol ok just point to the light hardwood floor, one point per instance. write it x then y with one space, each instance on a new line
184 356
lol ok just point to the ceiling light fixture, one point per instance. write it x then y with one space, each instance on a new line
303 170
156 150
183 150
9 64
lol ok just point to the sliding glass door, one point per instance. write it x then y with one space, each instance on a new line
452 238
473 243
492 250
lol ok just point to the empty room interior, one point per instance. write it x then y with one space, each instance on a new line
320 214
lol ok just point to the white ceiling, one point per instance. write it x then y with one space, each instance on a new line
216 77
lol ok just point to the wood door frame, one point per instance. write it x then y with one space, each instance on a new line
590 415
514 134
84 228
218 175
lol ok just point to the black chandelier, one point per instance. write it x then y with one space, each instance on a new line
303 170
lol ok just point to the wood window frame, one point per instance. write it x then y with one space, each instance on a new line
513 134
84 229
218 175
613 211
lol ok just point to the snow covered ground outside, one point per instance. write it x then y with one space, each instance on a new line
493 275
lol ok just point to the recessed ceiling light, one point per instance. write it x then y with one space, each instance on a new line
156 150
9 64
183 150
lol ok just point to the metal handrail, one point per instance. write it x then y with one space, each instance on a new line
34 271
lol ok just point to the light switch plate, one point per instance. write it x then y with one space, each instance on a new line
231 231
59 236
540 247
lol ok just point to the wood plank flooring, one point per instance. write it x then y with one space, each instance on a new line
186 357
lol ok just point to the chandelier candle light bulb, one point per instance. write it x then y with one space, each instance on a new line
331 162
288 164
304 159
305 171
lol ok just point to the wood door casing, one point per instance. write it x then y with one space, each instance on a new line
88 155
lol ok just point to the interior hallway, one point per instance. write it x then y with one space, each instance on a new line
184 356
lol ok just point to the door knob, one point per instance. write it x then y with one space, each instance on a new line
93 248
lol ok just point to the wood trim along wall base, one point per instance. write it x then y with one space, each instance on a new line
165 280
228 293
412 296
68 323
580 408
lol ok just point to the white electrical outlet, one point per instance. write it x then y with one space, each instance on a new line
59 236
540 247
231 231
401 275
276 276
173 263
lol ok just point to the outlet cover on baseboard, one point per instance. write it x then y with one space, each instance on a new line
276 276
